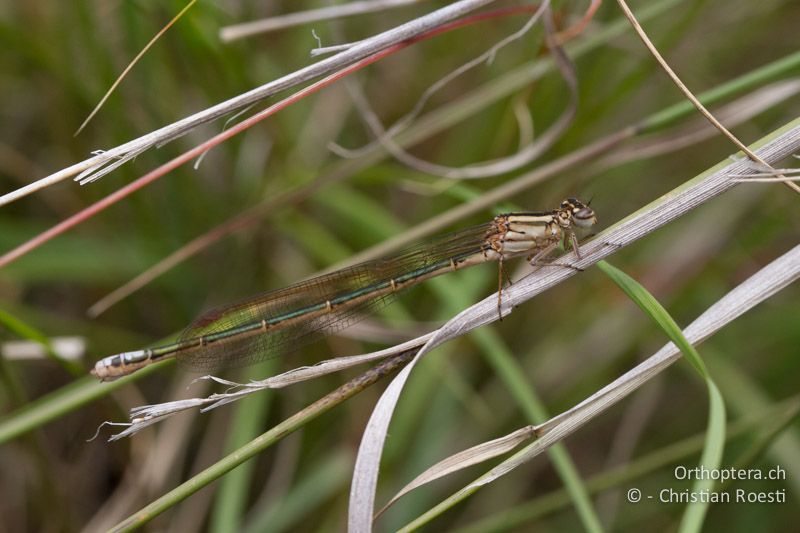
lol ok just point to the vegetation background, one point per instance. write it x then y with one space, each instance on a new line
58 58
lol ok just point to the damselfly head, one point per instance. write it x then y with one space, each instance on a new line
580 214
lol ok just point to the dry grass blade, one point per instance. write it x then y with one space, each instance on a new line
770 176
524 155
685 90
97 166
256 27
384 135
265 440
464 459
202 148
133 62
298 375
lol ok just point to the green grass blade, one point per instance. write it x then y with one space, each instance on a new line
715 434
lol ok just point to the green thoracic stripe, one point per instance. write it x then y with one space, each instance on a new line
404 278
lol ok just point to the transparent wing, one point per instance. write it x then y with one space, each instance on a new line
242 350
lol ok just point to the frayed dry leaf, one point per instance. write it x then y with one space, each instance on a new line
147 415
461 460
334 365
770 175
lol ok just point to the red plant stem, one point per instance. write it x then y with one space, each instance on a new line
158 172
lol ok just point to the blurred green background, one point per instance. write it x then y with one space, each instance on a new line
58 58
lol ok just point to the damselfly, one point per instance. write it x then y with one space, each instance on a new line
283 320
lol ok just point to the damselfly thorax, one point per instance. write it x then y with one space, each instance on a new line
283 320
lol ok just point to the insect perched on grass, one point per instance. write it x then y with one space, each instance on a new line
283 320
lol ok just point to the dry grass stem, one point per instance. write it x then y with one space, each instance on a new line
384 135
689 95
257 27
106 161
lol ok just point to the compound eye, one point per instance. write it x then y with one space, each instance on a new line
584 217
